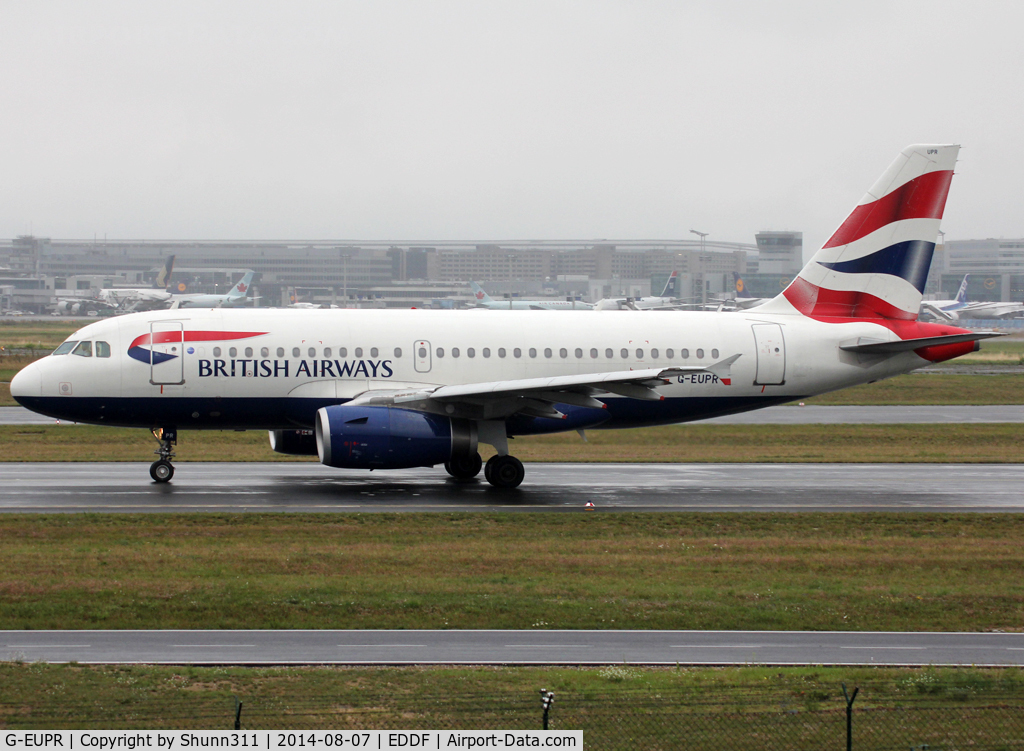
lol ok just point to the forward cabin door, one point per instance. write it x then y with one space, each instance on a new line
167 353
771 354
421 355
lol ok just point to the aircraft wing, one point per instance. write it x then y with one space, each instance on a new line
536 397
939 313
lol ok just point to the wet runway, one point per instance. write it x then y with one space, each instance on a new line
309 486
473 647
815 415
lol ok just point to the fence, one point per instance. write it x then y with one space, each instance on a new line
622 719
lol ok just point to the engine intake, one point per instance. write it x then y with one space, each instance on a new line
390 438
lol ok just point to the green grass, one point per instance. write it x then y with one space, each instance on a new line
646 571
616 707
970 443
932 388
43 335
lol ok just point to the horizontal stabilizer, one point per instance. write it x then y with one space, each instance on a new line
866 346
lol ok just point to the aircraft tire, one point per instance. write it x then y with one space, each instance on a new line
504 472
161 471
464 467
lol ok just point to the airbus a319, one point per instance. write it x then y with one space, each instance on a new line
384 389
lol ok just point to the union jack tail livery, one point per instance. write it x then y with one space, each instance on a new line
876 264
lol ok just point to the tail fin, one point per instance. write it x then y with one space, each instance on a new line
479 293
242 288
961 295
164 277
876 264
671 286
739 283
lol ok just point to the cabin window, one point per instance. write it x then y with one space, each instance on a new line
517 352
714 354
327 351
639 354
374 352
700 354
563 353
593 354
609 354
233 352
533 352
312 352
342 352
470 352
248 351
440 351
501 351
547 352
84 349
624 353
280 352
654 354
216 351
684 353
670 353
102 349
486 352
296 352
455 351
398 352
578 353
358 352
265 352
65 348
422 352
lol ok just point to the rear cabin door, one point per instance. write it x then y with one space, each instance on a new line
421 355
167 353
771 354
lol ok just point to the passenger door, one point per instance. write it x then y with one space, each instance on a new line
167 353
771 354
421 356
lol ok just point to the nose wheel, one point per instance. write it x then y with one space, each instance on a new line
504 471
162 470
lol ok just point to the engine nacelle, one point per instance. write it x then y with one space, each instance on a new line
390 438
293 442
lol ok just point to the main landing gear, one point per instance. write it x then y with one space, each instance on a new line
464 467
504 471
162 470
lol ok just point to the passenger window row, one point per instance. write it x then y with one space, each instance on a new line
311 352
563 353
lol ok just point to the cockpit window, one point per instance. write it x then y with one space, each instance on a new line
65 348
102 349
84 349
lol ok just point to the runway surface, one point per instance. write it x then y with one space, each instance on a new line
812 415
514 647
309 486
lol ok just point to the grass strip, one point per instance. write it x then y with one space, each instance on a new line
969 443
644 571
617 707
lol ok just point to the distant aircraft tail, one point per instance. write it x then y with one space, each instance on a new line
876 264
241 289
671 286
739 286
479 293
961 295
164 277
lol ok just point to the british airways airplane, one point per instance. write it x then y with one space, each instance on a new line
389 389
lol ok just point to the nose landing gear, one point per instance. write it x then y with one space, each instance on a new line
162 470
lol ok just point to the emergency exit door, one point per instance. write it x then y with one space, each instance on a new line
166 353
771 354
421 356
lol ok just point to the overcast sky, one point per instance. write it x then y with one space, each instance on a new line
471 120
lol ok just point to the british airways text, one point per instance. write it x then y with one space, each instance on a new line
285 369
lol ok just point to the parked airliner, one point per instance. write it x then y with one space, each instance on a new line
380 389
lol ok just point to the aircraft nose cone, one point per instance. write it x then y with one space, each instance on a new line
27 382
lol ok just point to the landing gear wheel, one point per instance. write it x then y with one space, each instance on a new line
464 467
504 471
161 470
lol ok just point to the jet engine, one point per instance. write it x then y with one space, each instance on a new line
390 438
294 442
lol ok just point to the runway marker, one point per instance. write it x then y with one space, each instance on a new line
202 646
